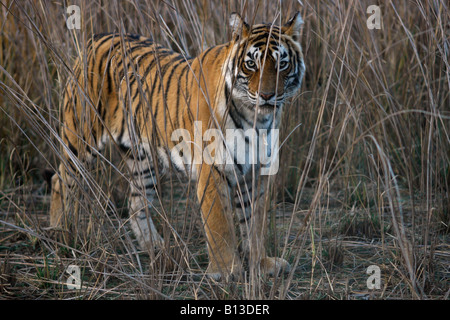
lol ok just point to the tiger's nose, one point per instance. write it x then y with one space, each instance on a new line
266 96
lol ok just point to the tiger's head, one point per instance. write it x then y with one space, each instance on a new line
267 64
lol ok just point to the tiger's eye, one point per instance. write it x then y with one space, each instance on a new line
283 65
250 64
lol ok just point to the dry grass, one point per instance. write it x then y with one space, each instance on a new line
365 175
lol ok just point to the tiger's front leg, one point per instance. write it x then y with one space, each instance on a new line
213 196
142 193
249 202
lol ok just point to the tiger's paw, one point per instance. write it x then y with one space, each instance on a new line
156 242
274 266
228 274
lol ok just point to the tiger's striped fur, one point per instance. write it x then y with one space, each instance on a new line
135 93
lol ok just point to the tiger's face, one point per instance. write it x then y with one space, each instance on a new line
269 65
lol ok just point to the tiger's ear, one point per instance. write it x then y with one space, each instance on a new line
293 26
238 26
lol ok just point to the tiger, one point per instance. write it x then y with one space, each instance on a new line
129 91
